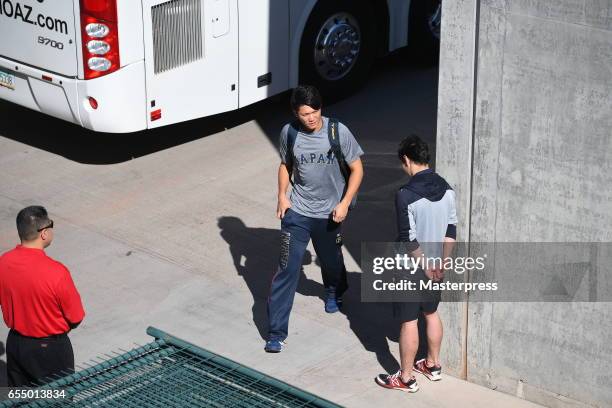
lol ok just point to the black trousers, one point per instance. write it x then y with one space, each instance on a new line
34 361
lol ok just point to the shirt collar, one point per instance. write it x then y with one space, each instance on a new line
33 250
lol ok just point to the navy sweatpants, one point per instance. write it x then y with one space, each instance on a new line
296 231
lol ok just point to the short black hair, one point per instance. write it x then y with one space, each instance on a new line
305 95
30 220
415 149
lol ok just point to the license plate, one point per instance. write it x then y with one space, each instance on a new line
7 80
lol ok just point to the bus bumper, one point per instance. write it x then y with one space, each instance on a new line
120 96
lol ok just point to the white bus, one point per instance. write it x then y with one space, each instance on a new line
125 65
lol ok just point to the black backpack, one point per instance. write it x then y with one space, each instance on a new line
336 150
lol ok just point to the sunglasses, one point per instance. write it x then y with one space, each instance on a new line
44 228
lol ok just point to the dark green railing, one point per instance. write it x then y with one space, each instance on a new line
170 372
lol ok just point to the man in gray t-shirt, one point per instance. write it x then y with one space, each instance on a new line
319 202
318 182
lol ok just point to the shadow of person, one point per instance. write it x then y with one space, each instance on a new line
373 220
372 323
3 373
255 253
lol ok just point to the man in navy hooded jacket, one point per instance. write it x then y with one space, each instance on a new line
426 219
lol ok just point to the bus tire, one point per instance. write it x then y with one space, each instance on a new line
424 30
338 47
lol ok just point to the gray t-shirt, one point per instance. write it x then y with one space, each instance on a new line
318 182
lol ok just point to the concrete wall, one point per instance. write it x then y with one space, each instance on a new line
524 136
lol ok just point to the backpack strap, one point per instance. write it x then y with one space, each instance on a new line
334 141
292 133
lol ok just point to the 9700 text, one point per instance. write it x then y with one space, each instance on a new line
50 42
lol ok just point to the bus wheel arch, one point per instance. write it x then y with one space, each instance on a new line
424 30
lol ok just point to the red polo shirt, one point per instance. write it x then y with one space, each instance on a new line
37 294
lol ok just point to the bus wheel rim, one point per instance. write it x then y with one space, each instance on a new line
434 22
337 46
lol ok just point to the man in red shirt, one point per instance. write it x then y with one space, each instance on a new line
40 304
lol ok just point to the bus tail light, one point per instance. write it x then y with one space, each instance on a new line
98 64
100 37
97 30
97 47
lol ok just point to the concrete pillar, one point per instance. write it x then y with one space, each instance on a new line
454 148
530 157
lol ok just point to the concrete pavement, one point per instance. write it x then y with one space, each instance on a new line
184 238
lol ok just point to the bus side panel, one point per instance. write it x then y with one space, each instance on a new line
298 17
263 49
191 59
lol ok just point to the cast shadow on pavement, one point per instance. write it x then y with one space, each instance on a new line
372 324
400 98
88 147
255 254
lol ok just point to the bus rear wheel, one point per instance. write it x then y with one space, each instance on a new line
338 47
424 30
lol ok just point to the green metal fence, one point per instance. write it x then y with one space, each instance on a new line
169 372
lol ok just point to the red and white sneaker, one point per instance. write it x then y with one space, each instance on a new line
433 373
395 382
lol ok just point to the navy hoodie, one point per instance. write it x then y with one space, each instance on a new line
426 211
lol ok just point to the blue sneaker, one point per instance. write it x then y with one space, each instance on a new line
333 304
274 346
